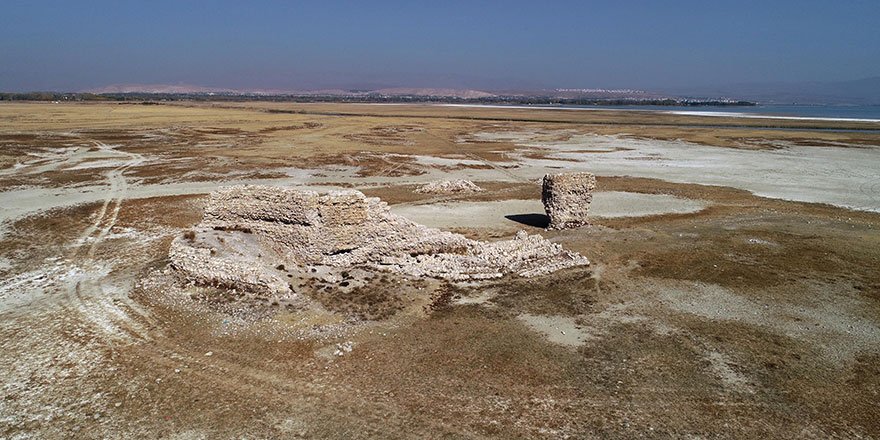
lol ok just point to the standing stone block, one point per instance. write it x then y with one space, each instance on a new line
567 199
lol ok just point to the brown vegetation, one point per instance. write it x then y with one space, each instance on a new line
752 318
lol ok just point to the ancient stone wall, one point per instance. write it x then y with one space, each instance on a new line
248 231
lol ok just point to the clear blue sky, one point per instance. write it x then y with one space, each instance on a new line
74 45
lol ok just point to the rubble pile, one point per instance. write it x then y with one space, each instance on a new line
567 199
449 187
251 237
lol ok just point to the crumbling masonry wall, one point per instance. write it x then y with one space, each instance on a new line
567 199
249 230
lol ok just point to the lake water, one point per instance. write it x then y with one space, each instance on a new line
854 112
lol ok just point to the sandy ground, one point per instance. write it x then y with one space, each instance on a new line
721 303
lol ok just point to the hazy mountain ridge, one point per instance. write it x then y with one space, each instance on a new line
459 93
156 88
864 91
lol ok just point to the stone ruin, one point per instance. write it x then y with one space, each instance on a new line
567 198
252 236
458 186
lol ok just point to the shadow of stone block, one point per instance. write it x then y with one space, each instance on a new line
534 220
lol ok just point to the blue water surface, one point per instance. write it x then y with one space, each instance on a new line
871 112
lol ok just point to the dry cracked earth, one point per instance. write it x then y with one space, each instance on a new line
734 289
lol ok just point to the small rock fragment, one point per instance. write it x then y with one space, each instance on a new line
459 186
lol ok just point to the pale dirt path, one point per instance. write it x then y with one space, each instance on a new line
76 308
118 192
87 288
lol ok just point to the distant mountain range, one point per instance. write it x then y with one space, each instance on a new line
857 92
180 89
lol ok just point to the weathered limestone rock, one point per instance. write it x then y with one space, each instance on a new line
248 232
567 199
449 187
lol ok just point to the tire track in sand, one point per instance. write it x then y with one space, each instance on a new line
115 195
87 288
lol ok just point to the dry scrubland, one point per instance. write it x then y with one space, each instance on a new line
732 292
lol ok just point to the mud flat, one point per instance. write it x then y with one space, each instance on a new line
558 329
707 311
606 204
843 177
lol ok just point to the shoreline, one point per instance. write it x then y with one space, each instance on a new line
669 112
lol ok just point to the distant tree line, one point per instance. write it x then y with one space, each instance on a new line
52 96
361 98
